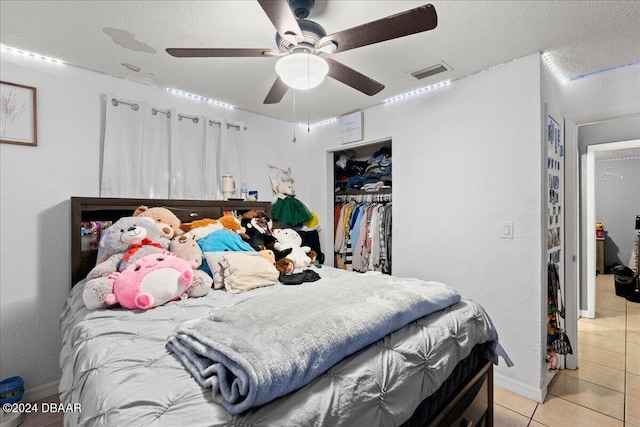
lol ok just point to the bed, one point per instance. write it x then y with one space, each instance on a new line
120 365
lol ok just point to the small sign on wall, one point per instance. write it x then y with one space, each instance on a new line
351 127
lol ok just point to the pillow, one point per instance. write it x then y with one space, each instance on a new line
243 272
214 268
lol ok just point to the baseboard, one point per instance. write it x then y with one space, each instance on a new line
40 392
589 314
517 387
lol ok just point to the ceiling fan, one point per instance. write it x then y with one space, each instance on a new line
300 42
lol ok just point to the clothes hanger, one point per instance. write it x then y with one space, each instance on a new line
609 176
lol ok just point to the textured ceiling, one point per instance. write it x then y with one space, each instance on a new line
582 37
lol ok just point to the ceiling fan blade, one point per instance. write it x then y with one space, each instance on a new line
412 21
219 52
277 92
352 78
283 19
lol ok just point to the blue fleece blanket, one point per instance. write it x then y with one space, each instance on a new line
270 345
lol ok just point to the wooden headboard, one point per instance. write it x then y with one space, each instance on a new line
111 209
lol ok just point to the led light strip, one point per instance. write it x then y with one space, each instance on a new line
31 54
554 69
546 57
9 49
322 123
418 91
200 98
604 71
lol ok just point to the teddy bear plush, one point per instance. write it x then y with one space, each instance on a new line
288 238
124 242
151 281
168 222
188 249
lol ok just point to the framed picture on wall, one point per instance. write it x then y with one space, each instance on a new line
351 127
18 117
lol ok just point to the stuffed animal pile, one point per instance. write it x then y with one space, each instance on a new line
131 238
151 258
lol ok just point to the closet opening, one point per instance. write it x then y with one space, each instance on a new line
362 206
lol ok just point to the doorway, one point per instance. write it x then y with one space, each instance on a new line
605 127
598 151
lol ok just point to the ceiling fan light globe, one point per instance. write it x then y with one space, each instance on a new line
302 71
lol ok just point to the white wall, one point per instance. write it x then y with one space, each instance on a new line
465 158
37 182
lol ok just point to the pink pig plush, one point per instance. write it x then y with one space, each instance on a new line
151 281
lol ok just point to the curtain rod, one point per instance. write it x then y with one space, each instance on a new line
237 126
155 111
115 103
182 116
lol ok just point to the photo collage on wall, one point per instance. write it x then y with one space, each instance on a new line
558 341
555 171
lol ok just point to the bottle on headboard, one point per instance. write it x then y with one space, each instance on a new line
243 191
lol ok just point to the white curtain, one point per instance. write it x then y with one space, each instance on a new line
154 165
230 157
122 149
188 158
212 174
159 153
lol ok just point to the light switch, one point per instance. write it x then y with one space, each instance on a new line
507 230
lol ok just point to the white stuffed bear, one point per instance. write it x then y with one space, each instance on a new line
289 238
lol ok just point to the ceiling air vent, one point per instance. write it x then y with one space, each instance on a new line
430 71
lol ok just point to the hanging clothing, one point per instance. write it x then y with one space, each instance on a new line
363 236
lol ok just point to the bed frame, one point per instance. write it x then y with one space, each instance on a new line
469 404
111 209
465 399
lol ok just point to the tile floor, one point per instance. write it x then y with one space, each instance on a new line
604 391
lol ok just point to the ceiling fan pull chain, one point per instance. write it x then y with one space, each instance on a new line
308 108
308 96
294 116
